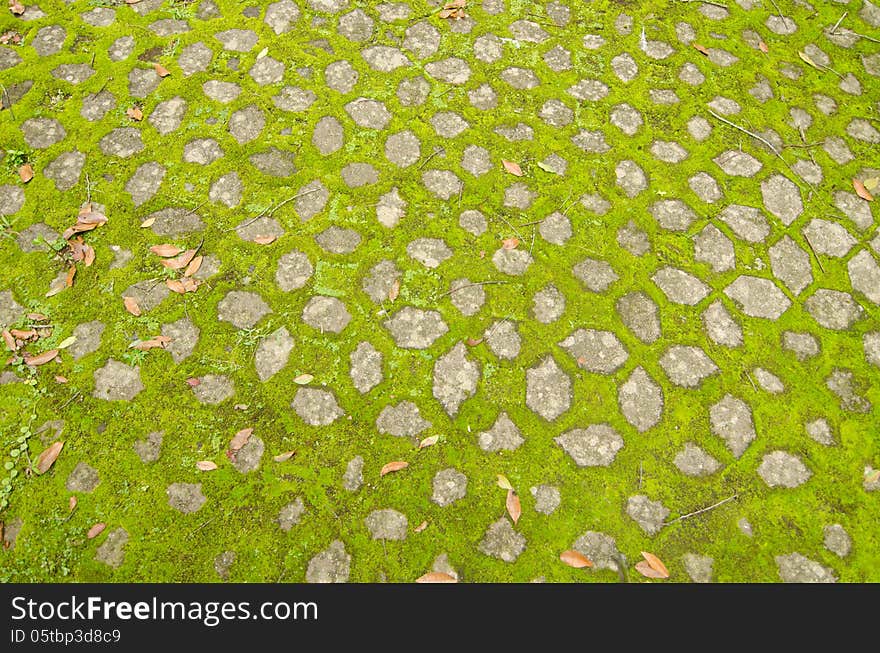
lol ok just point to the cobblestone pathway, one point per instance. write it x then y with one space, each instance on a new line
624 254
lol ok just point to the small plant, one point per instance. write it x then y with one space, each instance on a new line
18 452
15 159
134 357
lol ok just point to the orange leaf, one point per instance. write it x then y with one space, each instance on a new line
861 191
206 465
701 48
71 273
429 441
181 261
240 439
395 290
646 570
395 466
512 168
175 286
763 47
41 359
16 7
72 502
135 114
192 382
161 70
26 173
49 456
60 379
420 527
283 457
436 577
152 343
193 266
89 255
9 340
473 342
165 249
131 306
96 530
575 559
509 243
265 240
656 564
513 506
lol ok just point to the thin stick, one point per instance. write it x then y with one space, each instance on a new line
521 239
75 395
706 2
468 285
812 249
839 21
9 99
749 377
701 510
436 151
268 211
752 134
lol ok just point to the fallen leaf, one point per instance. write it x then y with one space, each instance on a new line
240 439
41 359
262 53
861 191
175 286
96 530
206 465
48 457
26 173
303 379
193 266
189 284
161 70
64 344
240 407
165 249
575 559
503 483
179 262
37 317
265 240
512 168
147 223
16 7
806 59
394 466
648 571
284 457
656 564
701 48
872 182
60 379
9 340
436 577
429 441
193 382
89 255
543 166
72 502
509 243
71 273
131 306
473 342
24 335
156 342
135 114
420 527
763 47
10 37
514 509
394 291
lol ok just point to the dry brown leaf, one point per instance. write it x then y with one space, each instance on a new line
147 223
96 530
701 48
37 317
763 47
189 284
512 167
161 70
503 483
648 571
16 7
131 306
284 457
806 58
71 273
165 249
71 503
175 286
265 240
26 173
41 359
514 509
23 334
156 342
394 292
303 379
240 439
656 564
861 191
473 342
575 559
436 577
9 340
206 465
60 379
135 114
48 457
429 441
420 527
193 266
179 262
192 382
394 466
510 243
88 255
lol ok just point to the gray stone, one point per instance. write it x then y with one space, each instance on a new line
679 286
272 353
49 40
414 328
738 164
65 170
290 514
466 296
202 151
698 567
641 400
354 474
713 247
316 407
757 297
122 142
649 515
186 497
227 190
721 328
513 262
693 461
828 238
547 499
503 436
242 309
804 345
365 367
596 275
247 459
731 420
368 113
83 478
796 568
502 542
341 76
782 469
768 381
222 564
747 222
782 198
329 136
594 446
273 162
117 381
673 215
332 565
356 175
11 199
174 222
145 182
597 351
503 339
36 238
687 366
600 548
837 540
402 149
237 40
864 275
833 309
213 389
430 252
112 549
820 431
379 282
184 337
844 385
548 389
402 421
548 304
791 264
871 342
455 378
148 450
640 315
327 314
449 485
387 524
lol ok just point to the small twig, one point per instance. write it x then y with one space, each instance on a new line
469 285
7 104
701 510
437 150
200 527
863 36
640 474
750 133
706 2
839 21
749 377
270 210
813 249
507 222
66 403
